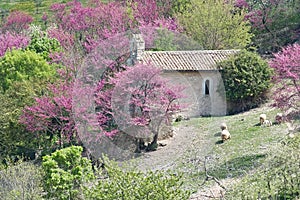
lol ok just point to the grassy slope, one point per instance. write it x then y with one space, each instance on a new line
241 155
35 8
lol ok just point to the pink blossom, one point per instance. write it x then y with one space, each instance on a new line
241 4
9 41
17 21
286 64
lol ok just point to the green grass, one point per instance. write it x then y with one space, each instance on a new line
248 148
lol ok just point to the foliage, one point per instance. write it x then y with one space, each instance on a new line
41 43
247 78
17 21
14 139
164 41
99 21
65 39
216 25
52 114
146 12
9 41
150 99
278 178
21 180
65 171
274 23
24 75
286 64
20 66
179 6
135 185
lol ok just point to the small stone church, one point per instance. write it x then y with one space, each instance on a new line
196 70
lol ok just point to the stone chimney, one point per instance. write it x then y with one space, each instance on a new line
137 47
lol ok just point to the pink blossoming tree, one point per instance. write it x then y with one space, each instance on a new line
275 23
286 64
17 21
142 101
9 41
52 114
96 46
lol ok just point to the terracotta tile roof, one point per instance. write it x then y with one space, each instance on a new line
187 60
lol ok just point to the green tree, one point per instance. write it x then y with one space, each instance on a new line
14 139
246 79
18 65
65 171
41 43
274 23
23 76
216 24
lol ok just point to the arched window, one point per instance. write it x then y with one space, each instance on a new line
206 87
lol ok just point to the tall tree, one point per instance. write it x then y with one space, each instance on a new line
216 24
142 101
287 79
275 23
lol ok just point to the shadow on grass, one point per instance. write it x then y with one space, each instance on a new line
219 142
237 167
258 124
218 134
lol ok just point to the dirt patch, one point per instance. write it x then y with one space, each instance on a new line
169 150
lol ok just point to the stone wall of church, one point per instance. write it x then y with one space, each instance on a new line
197 101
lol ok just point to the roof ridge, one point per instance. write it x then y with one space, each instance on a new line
221 50
187 60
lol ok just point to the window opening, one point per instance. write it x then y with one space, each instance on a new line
206 92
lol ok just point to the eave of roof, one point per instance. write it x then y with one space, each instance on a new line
200 60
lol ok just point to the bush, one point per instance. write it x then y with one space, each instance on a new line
65 171
41 43
279 178
246 79
19 65
21 180
116 184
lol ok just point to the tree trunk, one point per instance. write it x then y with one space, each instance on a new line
153 145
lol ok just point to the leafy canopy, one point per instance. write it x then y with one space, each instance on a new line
64 172
20 66
41 43
216 24
246 76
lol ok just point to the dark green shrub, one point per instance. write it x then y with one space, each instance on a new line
15 140
65 171
246 79
118 184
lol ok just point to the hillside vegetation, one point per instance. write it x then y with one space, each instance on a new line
81 118
36 8
210 168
